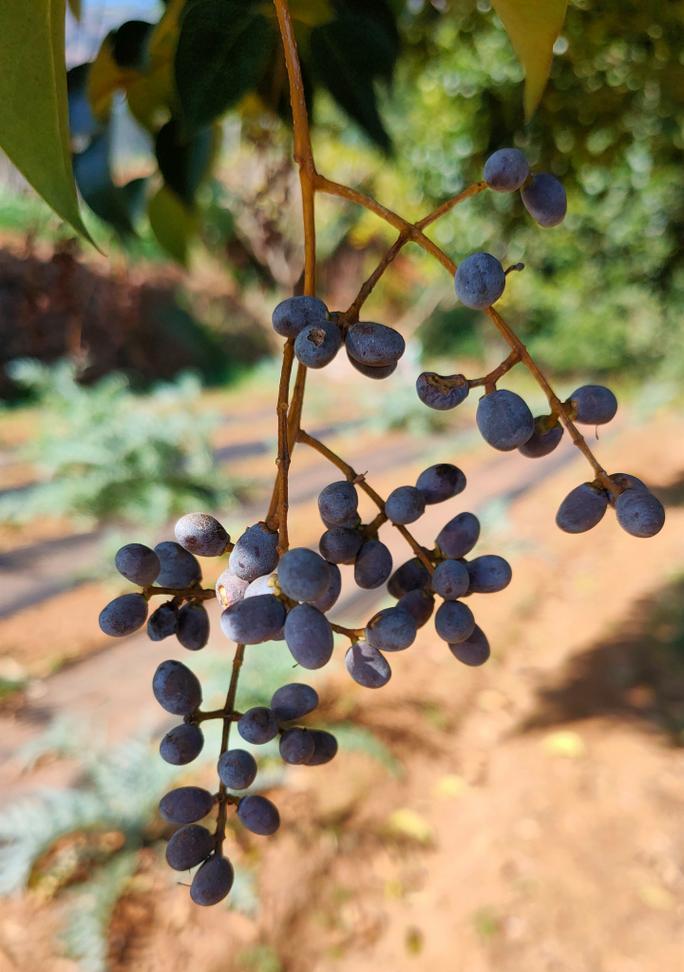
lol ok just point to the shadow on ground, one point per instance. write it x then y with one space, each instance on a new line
637 673
673 493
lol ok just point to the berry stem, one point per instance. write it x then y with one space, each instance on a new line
229 706
351 315
354 634
360 481
189 594
295 416
490 380
372 528
394 219
289 413
224 714
557 407
449 204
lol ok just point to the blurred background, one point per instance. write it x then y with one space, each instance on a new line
527 814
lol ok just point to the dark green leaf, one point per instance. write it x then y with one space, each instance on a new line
184 163
223 49
135 196
274 91
353 51
173 223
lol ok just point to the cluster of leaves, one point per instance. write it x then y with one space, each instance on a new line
181 75
203 58
604 293
105 453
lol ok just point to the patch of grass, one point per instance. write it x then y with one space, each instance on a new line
487 923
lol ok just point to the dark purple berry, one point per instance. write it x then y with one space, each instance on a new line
441 392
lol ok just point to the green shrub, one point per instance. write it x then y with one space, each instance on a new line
104 453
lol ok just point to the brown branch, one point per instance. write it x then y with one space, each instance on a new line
302 142
449 204
412 231
354 634
351 315
557 407
277 514
415 234
489 380
215 714
373 527
189 594
295 416
223 798
289 414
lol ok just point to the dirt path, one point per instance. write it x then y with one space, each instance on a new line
537 823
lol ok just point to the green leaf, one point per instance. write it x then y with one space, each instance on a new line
75 8
173 223
184 163
311 13
34 130
350 53
135 196
533 26
223 49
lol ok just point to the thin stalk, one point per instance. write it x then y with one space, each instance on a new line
394 219
277 514
302 142
229 706
189 594
449 204
489 380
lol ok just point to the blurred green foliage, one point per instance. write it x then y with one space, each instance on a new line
605 291
105 453
601 294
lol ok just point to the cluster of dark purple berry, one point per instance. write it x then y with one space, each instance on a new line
265 596
269 592
506 423
503 417
373 349
172 568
